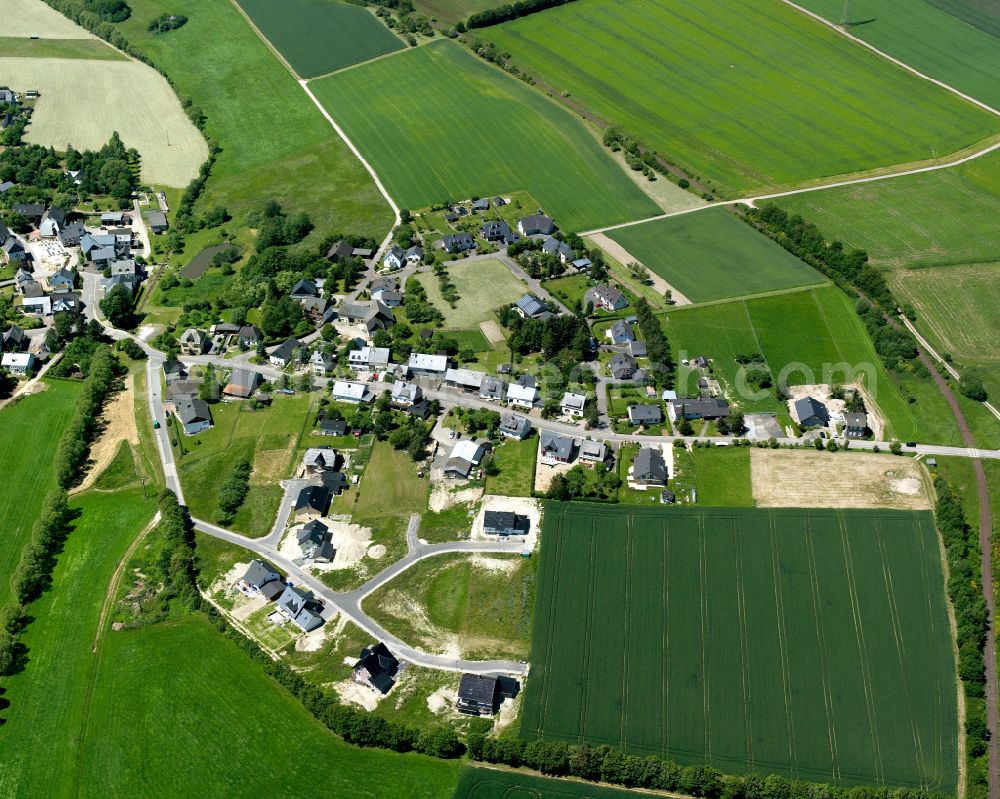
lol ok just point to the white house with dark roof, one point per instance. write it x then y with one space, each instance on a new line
530 307
301 608
514 426
555 448
405 395
368 359
645 414
620 333
610 298
492 389
648 470
593 452
536 224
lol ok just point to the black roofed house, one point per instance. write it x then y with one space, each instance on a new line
458 242
33 212
481 205
71 233
174 370
192 413
259 574
284 353
341 251
556 448
697 408
504 523
385 282
315 308
536 224
855 425
377 668
14 250
66 303
248 336
478 695
649 468
644 414
304 288
312 502
464 456
636 349
301 608
622 366
495 230
333 427
499 201
335 481
389 298
14 340
514 426
610 298
811 413
115 219
316 542
157 221
450 217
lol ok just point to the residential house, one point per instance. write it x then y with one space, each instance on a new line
697 408
405 395
157 221
6 186
370 315
318 310
464 379
36 301
301 608
649 469
115 219
478 695
248 336
556 448
523 393
458 242
257 575
645 414
573 404
480 205
505 523
496 230
22 278
414 255
53 219
103 256
610 298
364 253
582 264
811 413
499 201
426 365
316 542
71 233
465 455
333 427
7 97
174 371
514 426
386 283
304 288
560 249
492 388
33 212
593 452
192 413
194 342
312 502
242 383
395 258
622 366
855 425
637 349
354 393
621 333
13 250
66 303
341 251
530 307
388 297
18 363
377 668
369 359
536 224
283 354
317 460
335 481
322 363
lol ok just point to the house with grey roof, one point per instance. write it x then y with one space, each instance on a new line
496 230
556 448
258 574
560 249
242 383
593 452
316 542
622 366
492 388
481 204
66 303
573 404
403 394
427 364
514 426
312 502
13 250
301 608
194 342
71 233
530 307
697 408
536 224
52 220
620 333
465 455
156 221
317 460
368 359
14 339
340 251
810 412
458 242
304 288
505 523
464 379
193 413
649 469
855 425
610 298
523 393
478 695
395 258
645 414
283 354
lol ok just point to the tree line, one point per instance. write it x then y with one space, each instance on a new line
657 346
74 445
509 11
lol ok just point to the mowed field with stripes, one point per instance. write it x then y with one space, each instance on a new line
811 643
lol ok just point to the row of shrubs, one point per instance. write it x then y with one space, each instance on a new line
73 447
509 11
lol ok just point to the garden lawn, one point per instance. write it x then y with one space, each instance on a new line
482 286
320 36
486 610
268 437
922 33
720 475
431 137
712 255
87 704
515 461
958 310
750 94
275 143
806 337
778 641
931 219
29 432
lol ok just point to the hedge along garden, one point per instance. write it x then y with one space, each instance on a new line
809 643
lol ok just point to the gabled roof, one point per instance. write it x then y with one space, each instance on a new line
593 450
468 450
305 288
530 305
855 420
478 689
285 350
808 407
557 446
644 413
191 410
521 393
512 523
649 464
468 378
622 365
381 666
314 532
324 457
609 294
315 498
574 401
512 423
259 573
425 362
621 331
352 391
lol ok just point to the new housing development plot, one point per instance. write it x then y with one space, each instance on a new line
813 643
749 93
431 135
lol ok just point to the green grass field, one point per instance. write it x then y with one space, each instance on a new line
482 286
486 783
432 137
748 93
943 217
981 14
802 336
95 49
453 10
812 643
29 431
268 437
958 311
183 676
320 36
276 144
719 475
712 255
487 611
516 462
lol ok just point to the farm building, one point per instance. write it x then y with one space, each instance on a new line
464 456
